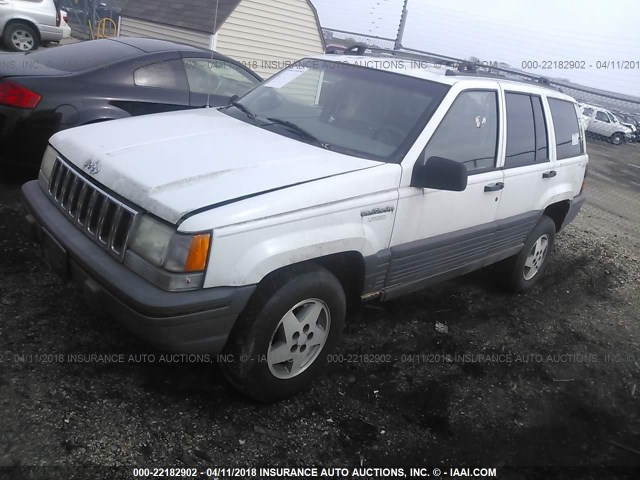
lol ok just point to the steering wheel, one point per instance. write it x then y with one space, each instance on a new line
389 134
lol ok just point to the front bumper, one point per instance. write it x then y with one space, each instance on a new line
186 322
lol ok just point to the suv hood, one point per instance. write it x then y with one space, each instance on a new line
174 163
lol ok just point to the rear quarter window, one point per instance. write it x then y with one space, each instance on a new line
565 121
169 74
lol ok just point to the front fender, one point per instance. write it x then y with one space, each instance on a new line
244 256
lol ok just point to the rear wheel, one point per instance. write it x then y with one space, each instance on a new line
522 271
20 37
281 341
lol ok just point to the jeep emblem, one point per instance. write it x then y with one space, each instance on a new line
92 167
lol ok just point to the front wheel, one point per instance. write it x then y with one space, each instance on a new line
617 138
20 37
522 271
281 341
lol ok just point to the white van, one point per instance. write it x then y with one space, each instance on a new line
26 24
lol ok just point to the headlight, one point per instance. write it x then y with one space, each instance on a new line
174 261
151 240
48 161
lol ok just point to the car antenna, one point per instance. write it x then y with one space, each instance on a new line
215 31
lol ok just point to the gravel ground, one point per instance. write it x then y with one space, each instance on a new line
458 374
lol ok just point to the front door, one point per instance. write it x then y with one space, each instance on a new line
441 233
601 124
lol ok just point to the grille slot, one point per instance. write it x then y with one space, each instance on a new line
104 219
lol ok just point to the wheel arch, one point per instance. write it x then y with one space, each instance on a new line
24 21
558 212
348 267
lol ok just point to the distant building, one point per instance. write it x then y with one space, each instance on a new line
266 35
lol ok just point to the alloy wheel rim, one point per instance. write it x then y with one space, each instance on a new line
22 40
299 338
536 258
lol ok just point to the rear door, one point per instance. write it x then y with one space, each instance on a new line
6 8
43 12
527 166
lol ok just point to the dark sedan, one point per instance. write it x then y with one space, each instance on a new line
50 90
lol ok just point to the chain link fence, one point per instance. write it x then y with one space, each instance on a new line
346 39
625 107
85 15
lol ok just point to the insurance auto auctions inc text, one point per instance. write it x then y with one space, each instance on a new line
357 472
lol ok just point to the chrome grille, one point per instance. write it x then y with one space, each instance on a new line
104 219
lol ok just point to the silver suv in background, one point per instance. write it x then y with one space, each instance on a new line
25 24
602 123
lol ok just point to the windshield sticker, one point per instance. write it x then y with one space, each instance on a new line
286 77
575 139
481 121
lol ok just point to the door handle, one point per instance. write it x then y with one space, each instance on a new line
494 188
550 174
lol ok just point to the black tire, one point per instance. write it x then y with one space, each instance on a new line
617 138
256 332
30 36
513 273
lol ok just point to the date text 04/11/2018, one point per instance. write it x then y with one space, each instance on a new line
580 65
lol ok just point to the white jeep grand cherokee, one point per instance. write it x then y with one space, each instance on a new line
248 229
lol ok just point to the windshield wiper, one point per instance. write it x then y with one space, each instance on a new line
244 110
298 129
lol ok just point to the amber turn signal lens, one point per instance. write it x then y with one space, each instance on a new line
198 252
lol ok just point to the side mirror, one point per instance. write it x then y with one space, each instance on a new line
234 98
441 174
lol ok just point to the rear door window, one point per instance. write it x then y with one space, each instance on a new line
602 117
565 121
526 131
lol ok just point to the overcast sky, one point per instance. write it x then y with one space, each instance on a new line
511 31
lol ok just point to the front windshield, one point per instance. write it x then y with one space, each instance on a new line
350 109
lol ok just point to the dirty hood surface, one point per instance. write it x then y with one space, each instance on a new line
172 164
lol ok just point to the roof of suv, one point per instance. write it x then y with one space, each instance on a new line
430 71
